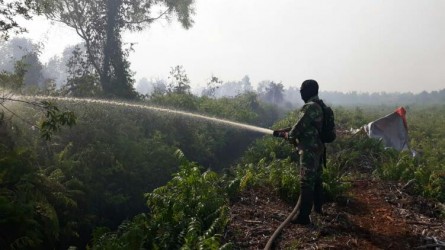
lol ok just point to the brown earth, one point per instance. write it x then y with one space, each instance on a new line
373 215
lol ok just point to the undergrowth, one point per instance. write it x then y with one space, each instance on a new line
190 212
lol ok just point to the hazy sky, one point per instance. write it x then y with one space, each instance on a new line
346 45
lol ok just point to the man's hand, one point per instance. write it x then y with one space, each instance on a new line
284 133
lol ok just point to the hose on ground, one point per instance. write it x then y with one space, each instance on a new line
277 232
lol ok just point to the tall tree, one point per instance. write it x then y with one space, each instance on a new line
100 24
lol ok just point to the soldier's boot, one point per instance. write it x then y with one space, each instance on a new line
318 199
306 197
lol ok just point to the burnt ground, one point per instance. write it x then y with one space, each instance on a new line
372 215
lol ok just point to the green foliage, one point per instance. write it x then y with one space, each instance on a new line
284 176
23 70
273 161
426 169
353 152
241 108
9 11
14 81
190 212
280 174
113 155
94 175
100 24
398 168
55 119
82 80
269 148
179 81
176 100
428 177
233 188
31 203
175 207
426 130
130 235
335 182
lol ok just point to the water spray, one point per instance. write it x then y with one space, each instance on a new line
141 106
277 133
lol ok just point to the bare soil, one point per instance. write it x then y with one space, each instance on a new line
373 215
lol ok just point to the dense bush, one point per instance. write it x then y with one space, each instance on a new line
189 212
94 174
424 166
34 203
113 155
274 162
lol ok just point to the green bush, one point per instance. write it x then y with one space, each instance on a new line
190 212
426 169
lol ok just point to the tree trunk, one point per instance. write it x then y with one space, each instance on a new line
110 43
116 78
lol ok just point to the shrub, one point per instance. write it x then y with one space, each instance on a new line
189 212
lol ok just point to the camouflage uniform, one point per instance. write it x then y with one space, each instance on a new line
305 134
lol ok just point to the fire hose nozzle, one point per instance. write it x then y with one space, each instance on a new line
278 133
281 132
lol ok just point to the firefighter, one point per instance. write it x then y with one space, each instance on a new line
305 135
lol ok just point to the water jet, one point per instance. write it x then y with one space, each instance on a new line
153 108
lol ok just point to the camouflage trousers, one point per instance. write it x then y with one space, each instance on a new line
310 169
311 190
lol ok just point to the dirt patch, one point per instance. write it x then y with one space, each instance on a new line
373 215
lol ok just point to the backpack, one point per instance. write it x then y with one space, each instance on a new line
327 133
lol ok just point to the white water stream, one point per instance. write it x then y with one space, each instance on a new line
165 110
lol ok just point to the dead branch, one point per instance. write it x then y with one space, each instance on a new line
408 184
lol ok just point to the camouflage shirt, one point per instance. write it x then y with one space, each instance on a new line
306 131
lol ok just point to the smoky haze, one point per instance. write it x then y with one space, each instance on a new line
364 46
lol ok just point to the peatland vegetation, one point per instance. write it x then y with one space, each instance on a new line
76 175
124 178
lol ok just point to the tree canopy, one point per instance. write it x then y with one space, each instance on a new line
9 10
100 24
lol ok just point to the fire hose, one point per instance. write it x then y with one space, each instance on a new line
294 213
277 232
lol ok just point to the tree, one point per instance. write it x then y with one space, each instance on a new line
212 86
57 66
234 88
100 24
9 12
25 52
33 76
82 80
14 50
274 93
179 81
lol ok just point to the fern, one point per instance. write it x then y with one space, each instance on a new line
188 212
